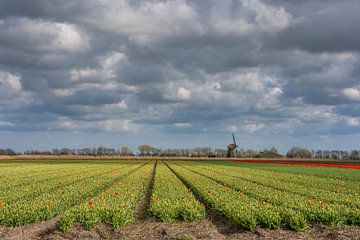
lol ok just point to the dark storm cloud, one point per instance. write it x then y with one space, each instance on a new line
332 28
180 66
352 110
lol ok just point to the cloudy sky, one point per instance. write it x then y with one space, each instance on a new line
179 73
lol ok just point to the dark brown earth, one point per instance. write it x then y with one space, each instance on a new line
151 229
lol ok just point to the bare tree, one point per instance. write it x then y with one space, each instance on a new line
220 152
274 150
297 152
145 149
125 151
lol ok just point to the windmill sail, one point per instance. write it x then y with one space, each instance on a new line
232 147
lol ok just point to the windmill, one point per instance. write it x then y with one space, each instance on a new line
231 147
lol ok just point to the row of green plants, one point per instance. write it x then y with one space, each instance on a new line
170 199
242 210
48 182
330 192
114 205
25 175
55 201
324 172
318 210
111 193
302 176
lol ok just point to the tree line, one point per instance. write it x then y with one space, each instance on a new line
148 150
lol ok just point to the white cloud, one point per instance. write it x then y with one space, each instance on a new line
43 35
109 64
267 16
67 123
86 73
182 125
184 94
119 126
98 112
337 58
117 106
353 121
64 92
250 80
151 20
216 86
352 93
253 16
311 113
270 99
110 125
332 75
232 128
144 21
5 123
11 91
10 82
254 127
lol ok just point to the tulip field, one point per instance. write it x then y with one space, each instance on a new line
246 194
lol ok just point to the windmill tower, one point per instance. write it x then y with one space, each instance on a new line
231 147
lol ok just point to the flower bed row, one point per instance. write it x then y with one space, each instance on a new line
115 205
55 201
301 163
49 182
316 209
171 200
333 190
242 210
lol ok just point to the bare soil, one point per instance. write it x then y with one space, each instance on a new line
151 229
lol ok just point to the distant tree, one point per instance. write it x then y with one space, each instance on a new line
156 151
145 149
250 153
197 151
208 151
346 155
220 152
202 151
298 152
65 151
125 151
335 154
7 151
55 151
87 151
354 155
100 151
274 150
319 154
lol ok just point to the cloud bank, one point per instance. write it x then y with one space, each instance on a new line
276 72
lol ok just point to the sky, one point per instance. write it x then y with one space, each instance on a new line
179 73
